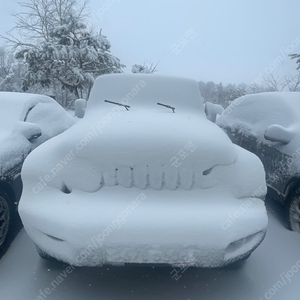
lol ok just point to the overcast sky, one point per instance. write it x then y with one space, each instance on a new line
227 41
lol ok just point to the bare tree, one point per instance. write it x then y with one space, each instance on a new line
275 83
293 82
6 61
38 18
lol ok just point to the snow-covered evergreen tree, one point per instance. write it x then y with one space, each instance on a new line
144 69
13 81
73 58
60 52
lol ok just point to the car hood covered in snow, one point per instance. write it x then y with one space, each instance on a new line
26 114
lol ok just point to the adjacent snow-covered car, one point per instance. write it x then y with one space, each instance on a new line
268 125
144 177
26 120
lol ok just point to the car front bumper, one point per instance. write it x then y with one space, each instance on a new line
119 225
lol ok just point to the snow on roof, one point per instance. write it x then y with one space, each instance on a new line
14 107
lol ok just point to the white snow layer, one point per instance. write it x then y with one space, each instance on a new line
179 172
275 113
253 114
212 110
23 115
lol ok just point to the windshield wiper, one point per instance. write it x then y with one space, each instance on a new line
120 104
168 106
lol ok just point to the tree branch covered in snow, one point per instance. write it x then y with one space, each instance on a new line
37 18
6 61
58 49
144 69
74 57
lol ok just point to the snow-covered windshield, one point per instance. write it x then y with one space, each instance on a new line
145 91
16 107
26 121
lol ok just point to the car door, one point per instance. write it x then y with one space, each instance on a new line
275 162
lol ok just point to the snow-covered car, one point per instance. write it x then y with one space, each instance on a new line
26 120
268 124
144 178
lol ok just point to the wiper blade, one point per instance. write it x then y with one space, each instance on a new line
168 106
120 104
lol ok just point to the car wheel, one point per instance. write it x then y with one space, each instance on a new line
44 255
294 211
5 216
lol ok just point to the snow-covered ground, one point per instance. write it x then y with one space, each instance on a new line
272 272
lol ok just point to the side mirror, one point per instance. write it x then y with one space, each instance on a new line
212 110
30 131
80 106
279 134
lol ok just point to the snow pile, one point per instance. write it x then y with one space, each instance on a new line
23 116
189 172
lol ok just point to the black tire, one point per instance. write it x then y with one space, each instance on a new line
6 216
44 255
294 211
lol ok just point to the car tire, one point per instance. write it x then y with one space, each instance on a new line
6 214
44 255
294 211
